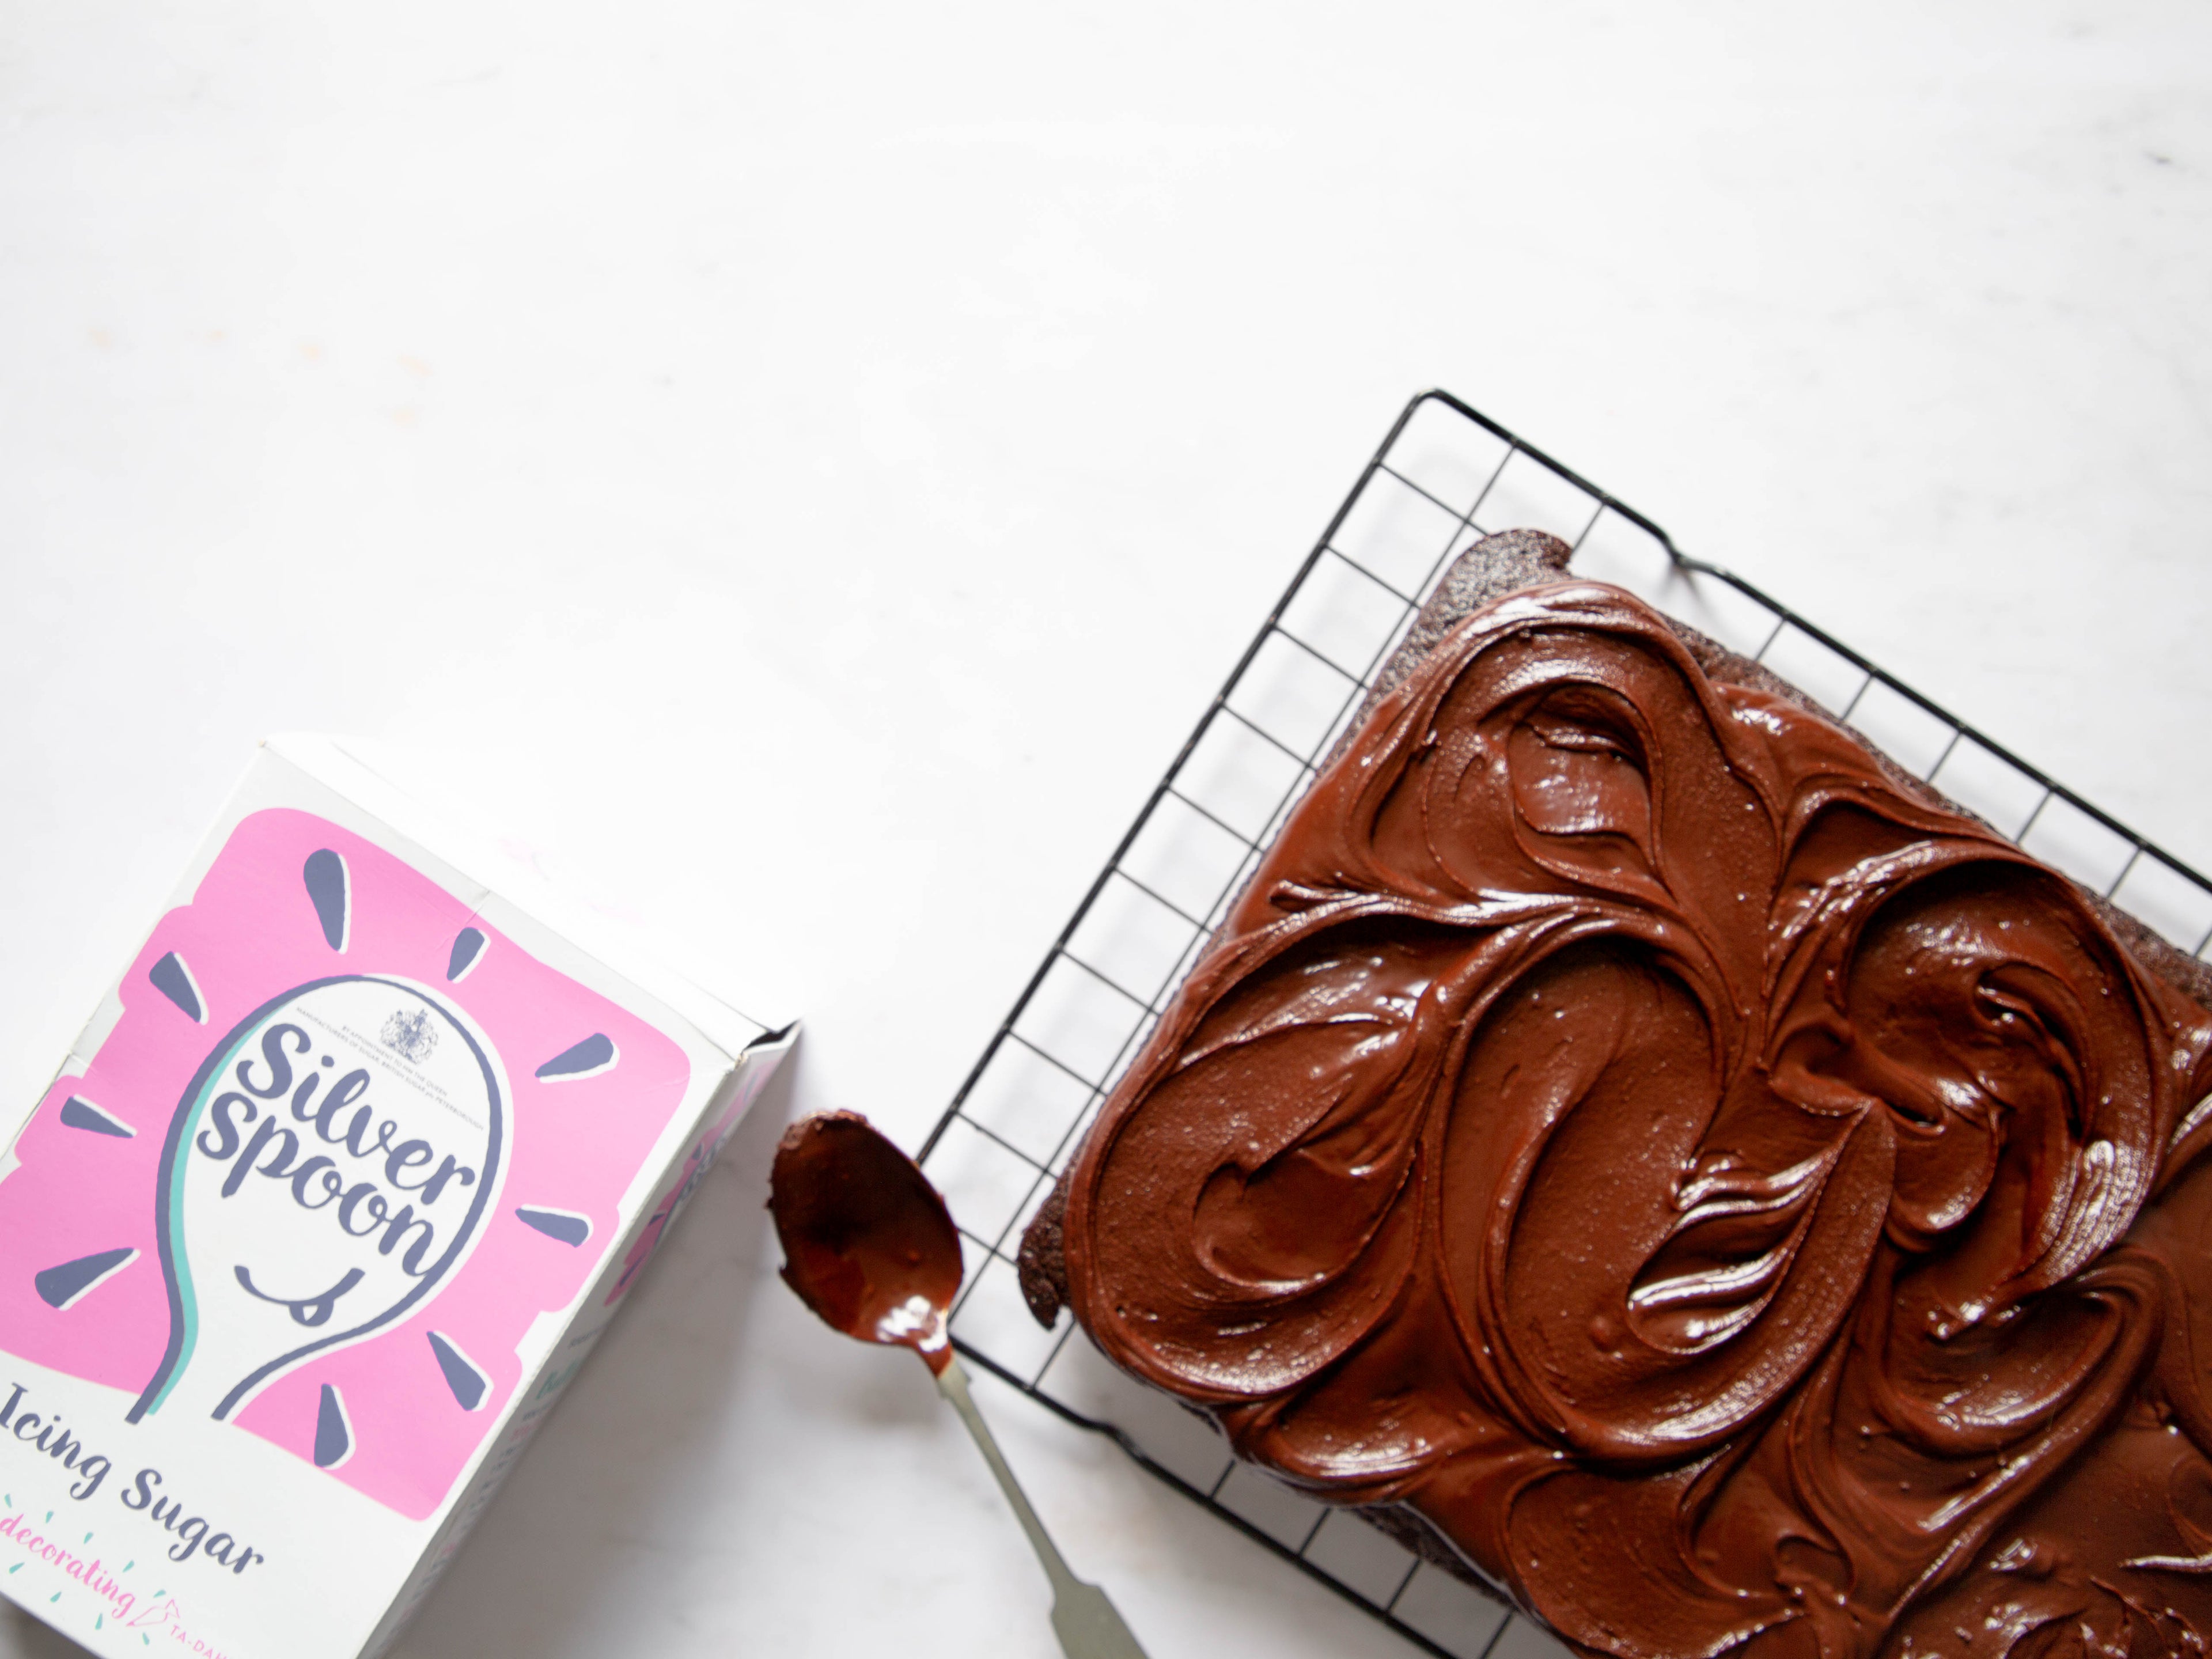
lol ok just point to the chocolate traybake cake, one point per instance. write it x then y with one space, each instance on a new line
1645 1147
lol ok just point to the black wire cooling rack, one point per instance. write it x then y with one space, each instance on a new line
1444 475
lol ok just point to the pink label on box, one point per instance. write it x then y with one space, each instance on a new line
344 1144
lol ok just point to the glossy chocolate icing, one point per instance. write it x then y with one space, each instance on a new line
1737 1200
867 1242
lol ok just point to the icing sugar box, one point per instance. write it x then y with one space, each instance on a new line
355 1164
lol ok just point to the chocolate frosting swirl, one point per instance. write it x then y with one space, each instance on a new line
1693 1170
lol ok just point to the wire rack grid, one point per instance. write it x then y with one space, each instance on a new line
1444 475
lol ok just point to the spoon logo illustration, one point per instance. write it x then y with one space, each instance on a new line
325 1172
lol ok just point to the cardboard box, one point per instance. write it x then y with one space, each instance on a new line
354 1165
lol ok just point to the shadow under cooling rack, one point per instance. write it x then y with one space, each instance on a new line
1444 475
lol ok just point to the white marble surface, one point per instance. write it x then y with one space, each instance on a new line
803 469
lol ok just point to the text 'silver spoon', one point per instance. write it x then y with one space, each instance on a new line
869 1245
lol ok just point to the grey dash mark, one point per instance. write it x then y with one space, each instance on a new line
61 1287
594 1054
468 951
333 1430
330 887
174 980
566 1225
78 1113
463 1375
